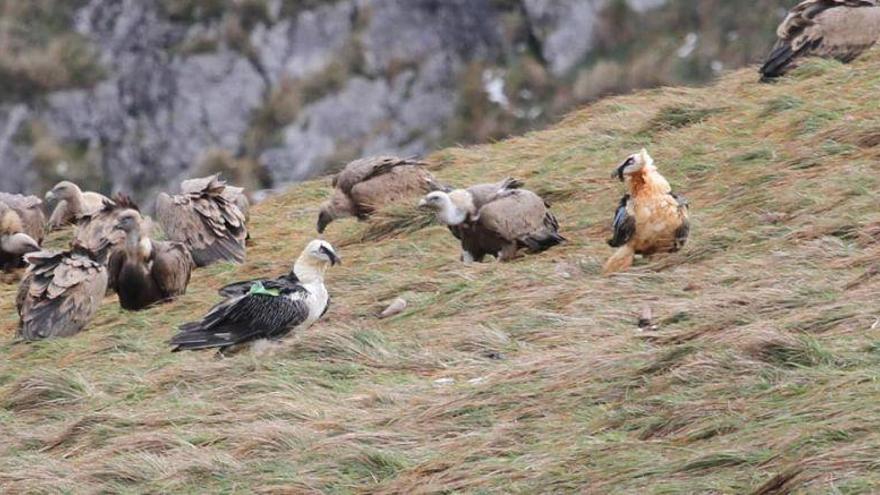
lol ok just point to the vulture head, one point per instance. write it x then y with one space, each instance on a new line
632 164
452 208
18 244
338 206
128 221
64 190
314 261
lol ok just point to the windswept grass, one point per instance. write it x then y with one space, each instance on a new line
530 376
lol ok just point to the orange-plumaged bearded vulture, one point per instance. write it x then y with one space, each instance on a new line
264 309
72 203
209 224
370 183
838 29
145 271
61 292
15 239
495 219
650 217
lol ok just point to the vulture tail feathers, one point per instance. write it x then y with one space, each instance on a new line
537 244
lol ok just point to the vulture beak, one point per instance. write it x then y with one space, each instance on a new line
19 244
617 173
50 196
334 258
324 219
423 203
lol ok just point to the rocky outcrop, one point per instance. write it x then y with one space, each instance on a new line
354 77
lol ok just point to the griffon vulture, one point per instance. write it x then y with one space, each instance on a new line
94 230
144 271
267 309
72 203
369 183
650 217
61 292
234 195
208 223
838 29
496 220
15 241
30 212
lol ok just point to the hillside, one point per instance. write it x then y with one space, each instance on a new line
531 376
137 95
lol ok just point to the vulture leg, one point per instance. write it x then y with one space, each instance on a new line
466 257
621 260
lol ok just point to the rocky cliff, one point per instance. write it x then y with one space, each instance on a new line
135 95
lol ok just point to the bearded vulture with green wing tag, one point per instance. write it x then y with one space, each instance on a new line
264 309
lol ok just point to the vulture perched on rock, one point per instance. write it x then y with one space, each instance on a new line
369 183
61 292
495 219
144 271
206 221
264 309
650 217
16 239
838 29
72 203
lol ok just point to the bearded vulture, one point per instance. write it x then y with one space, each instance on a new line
16 240
267 309
208 223
838 29
72 203
650 217
369 183
144 271
61 292
495 219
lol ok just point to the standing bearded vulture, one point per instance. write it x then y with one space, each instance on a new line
144 271
495 219
265 309
369 183
650 217
208 223
838 29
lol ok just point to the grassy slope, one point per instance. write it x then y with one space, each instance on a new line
766 368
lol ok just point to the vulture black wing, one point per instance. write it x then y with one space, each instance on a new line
260 315
288 281
624 225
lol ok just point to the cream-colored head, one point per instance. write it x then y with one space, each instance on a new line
64 190
451 208
633 164
314 261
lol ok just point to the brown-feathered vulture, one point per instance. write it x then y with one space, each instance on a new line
61 292
30 212
144 271
369 183
650 217
15 241
838 29
72 203
234 195
94 230
495 219
208 223
264 309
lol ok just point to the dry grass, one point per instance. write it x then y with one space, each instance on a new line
527 377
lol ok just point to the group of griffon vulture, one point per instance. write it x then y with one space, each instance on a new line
114 248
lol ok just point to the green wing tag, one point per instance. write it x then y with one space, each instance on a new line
257 288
